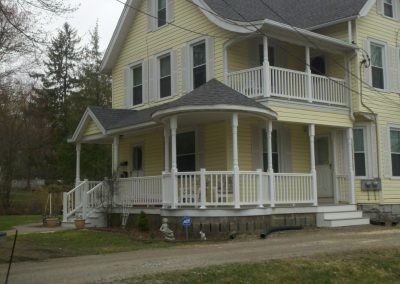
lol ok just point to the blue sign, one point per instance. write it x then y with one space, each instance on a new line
186 221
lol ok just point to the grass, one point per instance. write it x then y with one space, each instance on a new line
40 246
7 222
367 266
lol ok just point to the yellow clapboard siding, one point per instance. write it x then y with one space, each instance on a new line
214 146
91 129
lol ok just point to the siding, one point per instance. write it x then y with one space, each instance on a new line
91 129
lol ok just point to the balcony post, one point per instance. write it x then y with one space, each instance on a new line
236 190
65 206
349 134
78 164
271 178
174 125
115 155
166 149
309 75
267 81
311 133
203 189
260 189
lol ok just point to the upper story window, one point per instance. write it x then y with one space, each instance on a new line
161 13
377 66
199 64
388 8
165 76
359 152
137 86
395 150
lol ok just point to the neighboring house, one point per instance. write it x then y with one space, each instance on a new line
249 113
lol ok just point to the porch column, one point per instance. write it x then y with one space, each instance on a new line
115 156
236 190
166 149
352 196
309 75
311 133
271 178
267 84
174 125
78 164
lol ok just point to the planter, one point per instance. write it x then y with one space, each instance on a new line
52 222
79 223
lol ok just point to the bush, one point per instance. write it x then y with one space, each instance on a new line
143 222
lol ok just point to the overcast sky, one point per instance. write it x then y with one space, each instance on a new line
107 12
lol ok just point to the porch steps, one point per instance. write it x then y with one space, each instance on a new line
341 219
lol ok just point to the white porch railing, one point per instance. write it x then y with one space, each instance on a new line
342 187
139 191
293 188
290 84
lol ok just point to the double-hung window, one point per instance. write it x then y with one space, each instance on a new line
359 152
186 151
161 13
395 150
165 76
137 86
275 155
199 64
377 66
137 158
388 8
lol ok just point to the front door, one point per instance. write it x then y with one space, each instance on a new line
323 167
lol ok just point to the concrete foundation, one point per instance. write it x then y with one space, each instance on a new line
383 213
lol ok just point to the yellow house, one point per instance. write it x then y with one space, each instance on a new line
258 110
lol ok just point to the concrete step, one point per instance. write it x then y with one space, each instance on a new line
347 222
343 215
336 208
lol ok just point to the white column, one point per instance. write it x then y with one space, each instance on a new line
352 195
78 164
236 190
116 156
309 75
260 189
271 178
174 125
311 133
166 149
350 31
202 188
267 85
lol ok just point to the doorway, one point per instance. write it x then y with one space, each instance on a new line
323 164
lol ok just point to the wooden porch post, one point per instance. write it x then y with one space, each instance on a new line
116 156
267 85
78 164
271 178
352 197
174 125
236 190
166 149
309 75
311 133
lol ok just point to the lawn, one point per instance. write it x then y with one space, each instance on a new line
372 266
41 246
7 222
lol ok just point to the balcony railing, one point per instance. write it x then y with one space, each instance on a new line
289 84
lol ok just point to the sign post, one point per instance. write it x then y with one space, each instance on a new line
186 223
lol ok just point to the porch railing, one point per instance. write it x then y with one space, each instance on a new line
289 84
342 187
293 188
139 191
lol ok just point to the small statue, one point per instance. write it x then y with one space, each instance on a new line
167 232
203 236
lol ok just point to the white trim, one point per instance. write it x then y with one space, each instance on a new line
207 108
281 102
159 56
328 24
384 46
83 122
391 126
367 7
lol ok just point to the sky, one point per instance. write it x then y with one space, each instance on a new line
107 13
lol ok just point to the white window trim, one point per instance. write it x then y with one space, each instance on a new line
395 6
192 43
138 144
366 152
196 146
156 14
131 67
389 145
384 46
368 149
158 77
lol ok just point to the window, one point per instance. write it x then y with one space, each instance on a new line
359 152
137 158
275 156
165 76
395 151
186 151
377 67
388 8
161 12
199 64
137 91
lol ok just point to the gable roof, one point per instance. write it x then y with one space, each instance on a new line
212 95
305 14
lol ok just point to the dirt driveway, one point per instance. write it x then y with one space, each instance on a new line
117 266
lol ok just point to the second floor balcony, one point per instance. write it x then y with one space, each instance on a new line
287 72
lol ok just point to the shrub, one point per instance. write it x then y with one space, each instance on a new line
143 222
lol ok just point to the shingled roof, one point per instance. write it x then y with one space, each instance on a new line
299 13
210 94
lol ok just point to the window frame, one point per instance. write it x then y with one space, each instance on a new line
365 152
383 46
132 86
157 11
392 127
133 160
394 9
191 58
195 154
159 57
